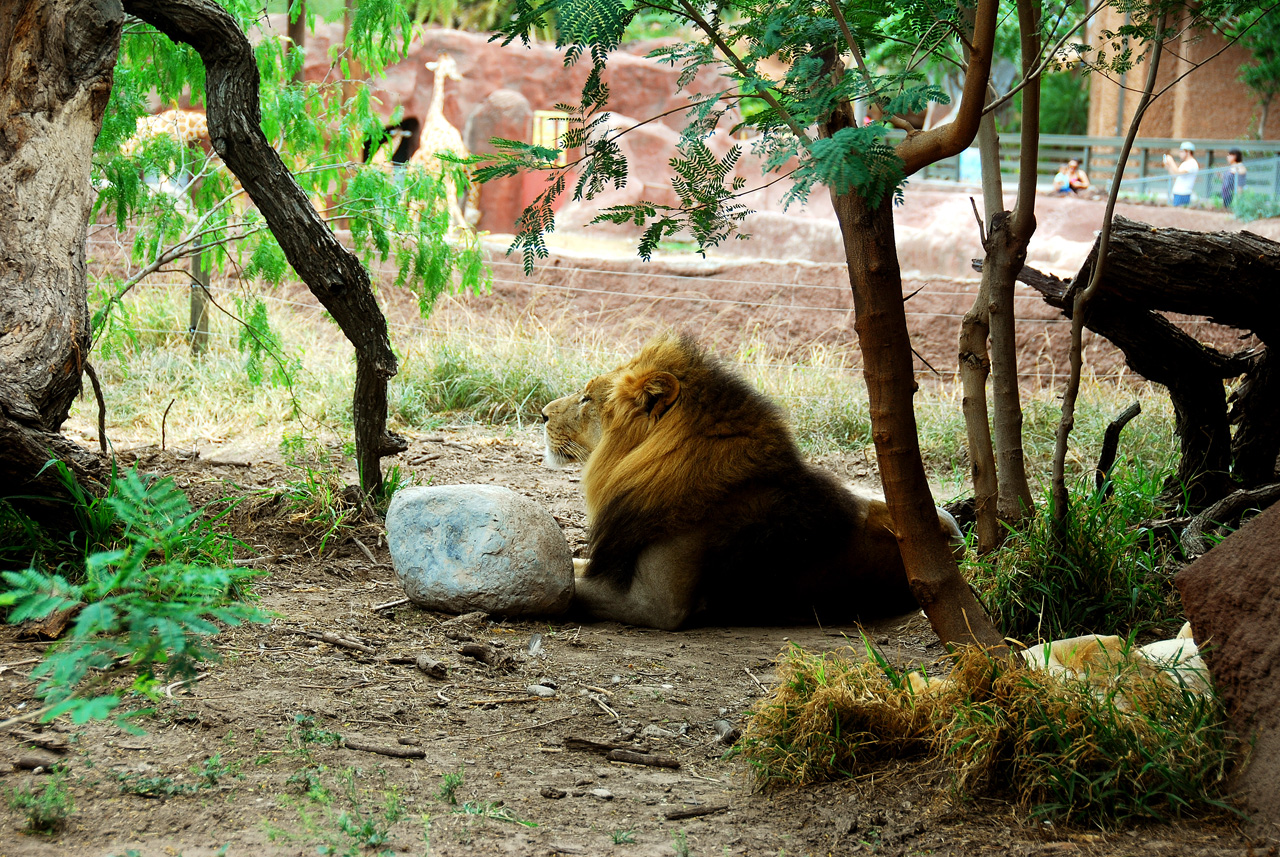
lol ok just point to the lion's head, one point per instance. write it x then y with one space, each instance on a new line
571 424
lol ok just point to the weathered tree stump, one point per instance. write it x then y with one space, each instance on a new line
1228 277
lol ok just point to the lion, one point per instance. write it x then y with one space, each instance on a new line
701 508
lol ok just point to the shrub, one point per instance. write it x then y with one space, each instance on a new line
150 602
1100 572
1251 205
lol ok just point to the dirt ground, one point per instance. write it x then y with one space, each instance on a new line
261 715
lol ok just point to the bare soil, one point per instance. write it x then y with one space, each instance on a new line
649 690
659 692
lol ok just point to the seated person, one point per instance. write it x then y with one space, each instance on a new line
1070 178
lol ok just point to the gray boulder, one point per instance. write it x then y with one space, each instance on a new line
459 548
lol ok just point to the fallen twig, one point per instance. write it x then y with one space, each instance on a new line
763 689
694 811
397 752
388 605
653 760
334 640
365 550
521 728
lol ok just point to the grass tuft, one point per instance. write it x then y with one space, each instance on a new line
1143 747
1100 572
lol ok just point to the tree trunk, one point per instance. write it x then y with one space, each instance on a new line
333 274
57 59
1015 489
975 365
876 281
1158 351
1255 411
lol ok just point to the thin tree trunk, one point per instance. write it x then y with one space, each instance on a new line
1085 295
57 59
1015 489
975 365
297 32
876 281
333 274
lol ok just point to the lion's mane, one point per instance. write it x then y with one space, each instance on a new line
697 488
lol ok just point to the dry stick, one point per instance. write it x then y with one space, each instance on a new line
163 420
366 551
334 640
763 689
694 812
1083 298
1193 541
102 406
521 728
389 604
653 760
397 752
1110 446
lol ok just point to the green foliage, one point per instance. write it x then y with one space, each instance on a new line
149 600
1249 205
47 808
1259 32
1105 751
623 837
449 785
318 129
304 732
1064 104
1101 572
493 810
752 36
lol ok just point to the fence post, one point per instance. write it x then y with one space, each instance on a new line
199 328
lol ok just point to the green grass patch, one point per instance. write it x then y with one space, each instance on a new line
1101 571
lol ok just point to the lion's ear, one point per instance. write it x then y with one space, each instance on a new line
659 392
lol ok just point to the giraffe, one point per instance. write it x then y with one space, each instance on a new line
439 136
189 129
186 127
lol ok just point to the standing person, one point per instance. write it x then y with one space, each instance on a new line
1184 171
1233 177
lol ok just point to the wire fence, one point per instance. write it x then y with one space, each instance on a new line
1043 335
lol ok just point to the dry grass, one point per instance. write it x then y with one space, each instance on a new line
1139 746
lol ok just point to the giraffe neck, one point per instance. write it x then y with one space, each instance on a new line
435 112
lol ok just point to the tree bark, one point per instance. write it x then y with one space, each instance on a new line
333 274
1255 411
1015 489
1158 351
57 59
876 281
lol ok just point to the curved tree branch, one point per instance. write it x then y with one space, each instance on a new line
333 274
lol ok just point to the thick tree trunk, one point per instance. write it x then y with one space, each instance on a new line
56 63
876 280
1157 350
333 274
1255 411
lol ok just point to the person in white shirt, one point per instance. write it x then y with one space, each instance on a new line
1184 170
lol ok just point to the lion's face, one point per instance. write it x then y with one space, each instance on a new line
571 424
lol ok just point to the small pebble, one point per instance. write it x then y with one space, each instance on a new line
602 794
553 793
540 690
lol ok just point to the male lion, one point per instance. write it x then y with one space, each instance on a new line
700 506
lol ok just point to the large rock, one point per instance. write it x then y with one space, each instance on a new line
1232 597
458 548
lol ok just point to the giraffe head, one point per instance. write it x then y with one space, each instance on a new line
444 66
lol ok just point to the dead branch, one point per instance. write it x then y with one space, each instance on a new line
397 752
1194 542
653 760
1110 445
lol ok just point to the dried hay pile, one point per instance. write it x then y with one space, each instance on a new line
1141 744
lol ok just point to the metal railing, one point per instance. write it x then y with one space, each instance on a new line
1098 156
